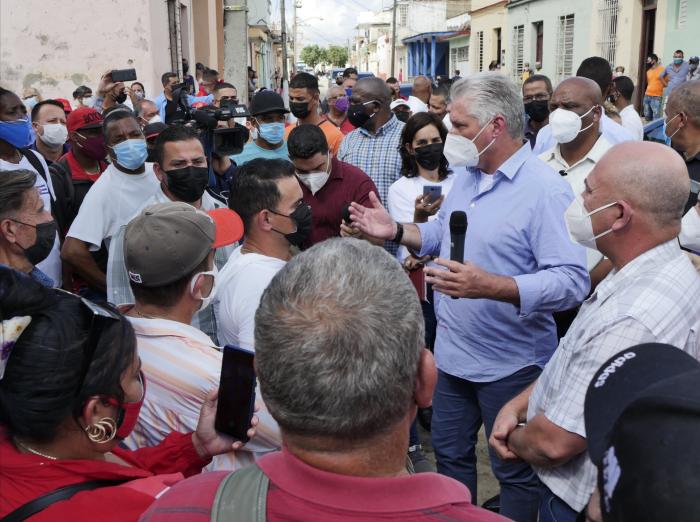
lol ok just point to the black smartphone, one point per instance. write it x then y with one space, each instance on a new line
236 403
345 215
432 191
123 75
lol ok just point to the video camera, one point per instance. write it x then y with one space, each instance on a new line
217 141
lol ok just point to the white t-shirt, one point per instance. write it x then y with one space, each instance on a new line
632 122
240 285
51 266
110 203
402 200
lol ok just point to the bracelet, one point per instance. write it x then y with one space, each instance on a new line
399 233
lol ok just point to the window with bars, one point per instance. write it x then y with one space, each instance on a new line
608 13
463 53
480 50
682 13
403 15
565 47
516 52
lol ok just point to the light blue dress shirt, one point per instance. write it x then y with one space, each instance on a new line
613 132
515 228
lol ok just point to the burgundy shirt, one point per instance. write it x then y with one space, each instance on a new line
345 185
299 492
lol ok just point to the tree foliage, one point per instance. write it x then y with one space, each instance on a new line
335 55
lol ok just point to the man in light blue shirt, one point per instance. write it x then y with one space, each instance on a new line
167 107
675 73
269 113
519 266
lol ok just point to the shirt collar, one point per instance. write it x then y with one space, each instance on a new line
388 126
512 165
157 327
600 147
336 168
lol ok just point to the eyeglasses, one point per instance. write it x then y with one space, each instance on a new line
100 316
536 97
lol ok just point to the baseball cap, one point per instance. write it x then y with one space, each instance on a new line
397 103
83 118
642 416
167 241
152 130
694 59
265 102
66 105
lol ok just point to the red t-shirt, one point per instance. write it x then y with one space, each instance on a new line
299 492
78 173
346 184
24 477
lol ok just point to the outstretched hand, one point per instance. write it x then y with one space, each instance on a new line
373 221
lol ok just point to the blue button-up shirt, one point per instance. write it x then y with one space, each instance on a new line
675 77
515 228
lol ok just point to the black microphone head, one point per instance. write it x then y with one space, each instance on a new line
458 222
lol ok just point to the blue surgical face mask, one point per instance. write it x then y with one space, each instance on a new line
131 154
272 133
678 61
18 133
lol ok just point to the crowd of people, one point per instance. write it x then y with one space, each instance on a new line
132 251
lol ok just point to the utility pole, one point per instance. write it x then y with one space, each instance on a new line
285 73
297 4
393 38
236 45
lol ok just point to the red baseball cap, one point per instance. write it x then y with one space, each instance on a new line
229 226
84 118
66 105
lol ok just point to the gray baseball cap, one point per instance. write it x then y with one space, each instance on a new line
167 241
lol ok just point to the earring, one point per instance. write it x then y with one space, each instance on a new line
102 431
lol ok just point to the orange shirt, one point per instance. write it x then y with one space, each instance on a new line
655 85
333 135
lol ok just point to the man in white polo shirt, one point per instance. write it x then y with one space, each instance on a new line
268 197
169 252
114 198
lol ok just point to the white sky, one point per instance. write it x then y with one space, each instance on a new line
339 18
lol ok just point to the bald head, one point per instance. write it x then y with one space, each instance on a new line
582 90
373 88
686 99
422 87
651 177
336 90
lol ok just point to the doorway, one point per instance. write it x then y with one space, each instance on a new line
646 47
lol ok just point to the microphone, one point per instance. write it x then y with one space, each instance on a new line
458 231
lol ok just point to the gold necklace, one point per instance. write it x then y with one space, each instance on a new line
31 450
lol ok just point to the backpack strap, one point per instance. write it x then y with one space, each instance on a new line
34 162
242 495
33 507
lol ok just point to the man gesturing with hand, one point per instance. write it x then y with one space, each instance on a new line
519 267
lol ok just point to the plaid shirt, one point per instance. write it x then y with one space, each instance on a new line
377 155
654 298
118 287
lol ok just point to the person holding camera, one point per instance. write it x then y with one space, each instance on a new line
168 103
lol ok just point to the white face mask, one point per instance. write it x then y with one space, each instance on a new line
31 102
566 125
55 134
461 151
88 101
580 225
315 181
206 301
155 119
690 230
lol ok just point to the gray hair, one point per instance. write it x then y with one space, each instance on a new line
491 94
338 337
686 99
14 184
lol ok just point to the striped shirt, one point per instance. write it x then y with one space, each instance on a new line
182 365
654 299
377 155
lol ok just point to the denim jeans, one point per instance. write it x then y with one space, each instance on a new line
652 107
459 409
554 509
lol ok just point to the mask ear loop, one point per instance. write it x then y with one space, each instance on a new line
584 115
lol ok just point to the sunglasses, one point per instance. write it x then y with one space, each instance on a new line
100 317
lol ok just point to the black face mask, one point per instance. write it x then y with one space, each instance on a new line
299 109
303 220
357 115
537 110
45 238
402 116
188 183
429 156
120 98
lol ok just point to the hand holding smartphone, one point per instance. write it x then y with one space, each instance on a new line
236 402
433 192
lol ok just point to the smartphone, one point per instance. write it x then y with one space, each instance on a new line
236 403
693 196
123 75
433 192
345 215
